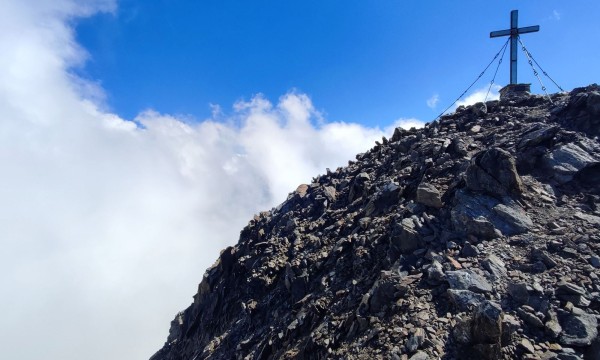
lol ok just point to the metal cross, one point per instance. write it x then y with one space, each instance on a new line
514 32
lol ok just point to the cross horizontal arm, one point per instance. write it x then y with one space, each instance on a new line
528 29
499 33
508 32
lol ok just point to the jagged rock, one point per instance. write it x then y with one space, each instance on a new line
486 217
468 280
567 160
395 254
495 266
494 172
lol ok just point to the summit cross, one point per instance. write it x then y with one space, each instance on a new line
514 33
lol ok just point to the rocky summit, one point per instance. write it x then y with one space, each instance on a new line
476 237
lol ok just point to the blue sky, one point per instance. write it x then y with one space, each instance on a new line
108 224
366 62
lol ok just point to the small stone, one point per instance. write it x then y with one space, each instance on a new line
419 355
595 261
428 195
469 250
495 266
527 346
530 318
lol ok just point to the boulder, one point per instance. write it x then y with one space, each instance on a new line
494 172
565 161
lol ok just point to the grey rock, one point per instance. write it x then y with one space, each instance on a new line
552 327
537 137
435 273
567 160
415 340
428 195
483 216
527 346
461 333
510 326
594 260
420 355
515 218
495 266
468 280
579 328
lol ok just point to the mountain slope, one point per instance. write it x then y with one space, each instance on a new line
475 237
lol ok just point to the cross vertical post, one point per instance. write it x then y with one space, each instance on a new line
514 33
514 37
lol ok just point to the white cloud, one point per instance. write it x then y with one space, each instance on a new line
433 101
479 95
555 15
108 226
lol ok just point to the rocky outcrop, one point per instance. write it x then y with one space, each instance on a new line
474 237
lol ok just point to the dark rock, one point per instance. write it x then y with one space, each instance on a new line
579 328
469 250
487 323
464 300
494 172
405 236
518 291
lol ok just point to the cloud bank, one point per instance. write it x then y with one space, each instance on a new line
107 225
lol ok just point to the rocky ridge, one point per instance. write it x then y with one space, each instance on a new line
474 237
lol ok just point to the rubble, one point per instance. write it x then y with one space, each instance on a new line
476 237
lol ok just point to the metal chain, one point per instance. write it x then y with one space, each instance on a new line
479 77
538 65
533 68
496 72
